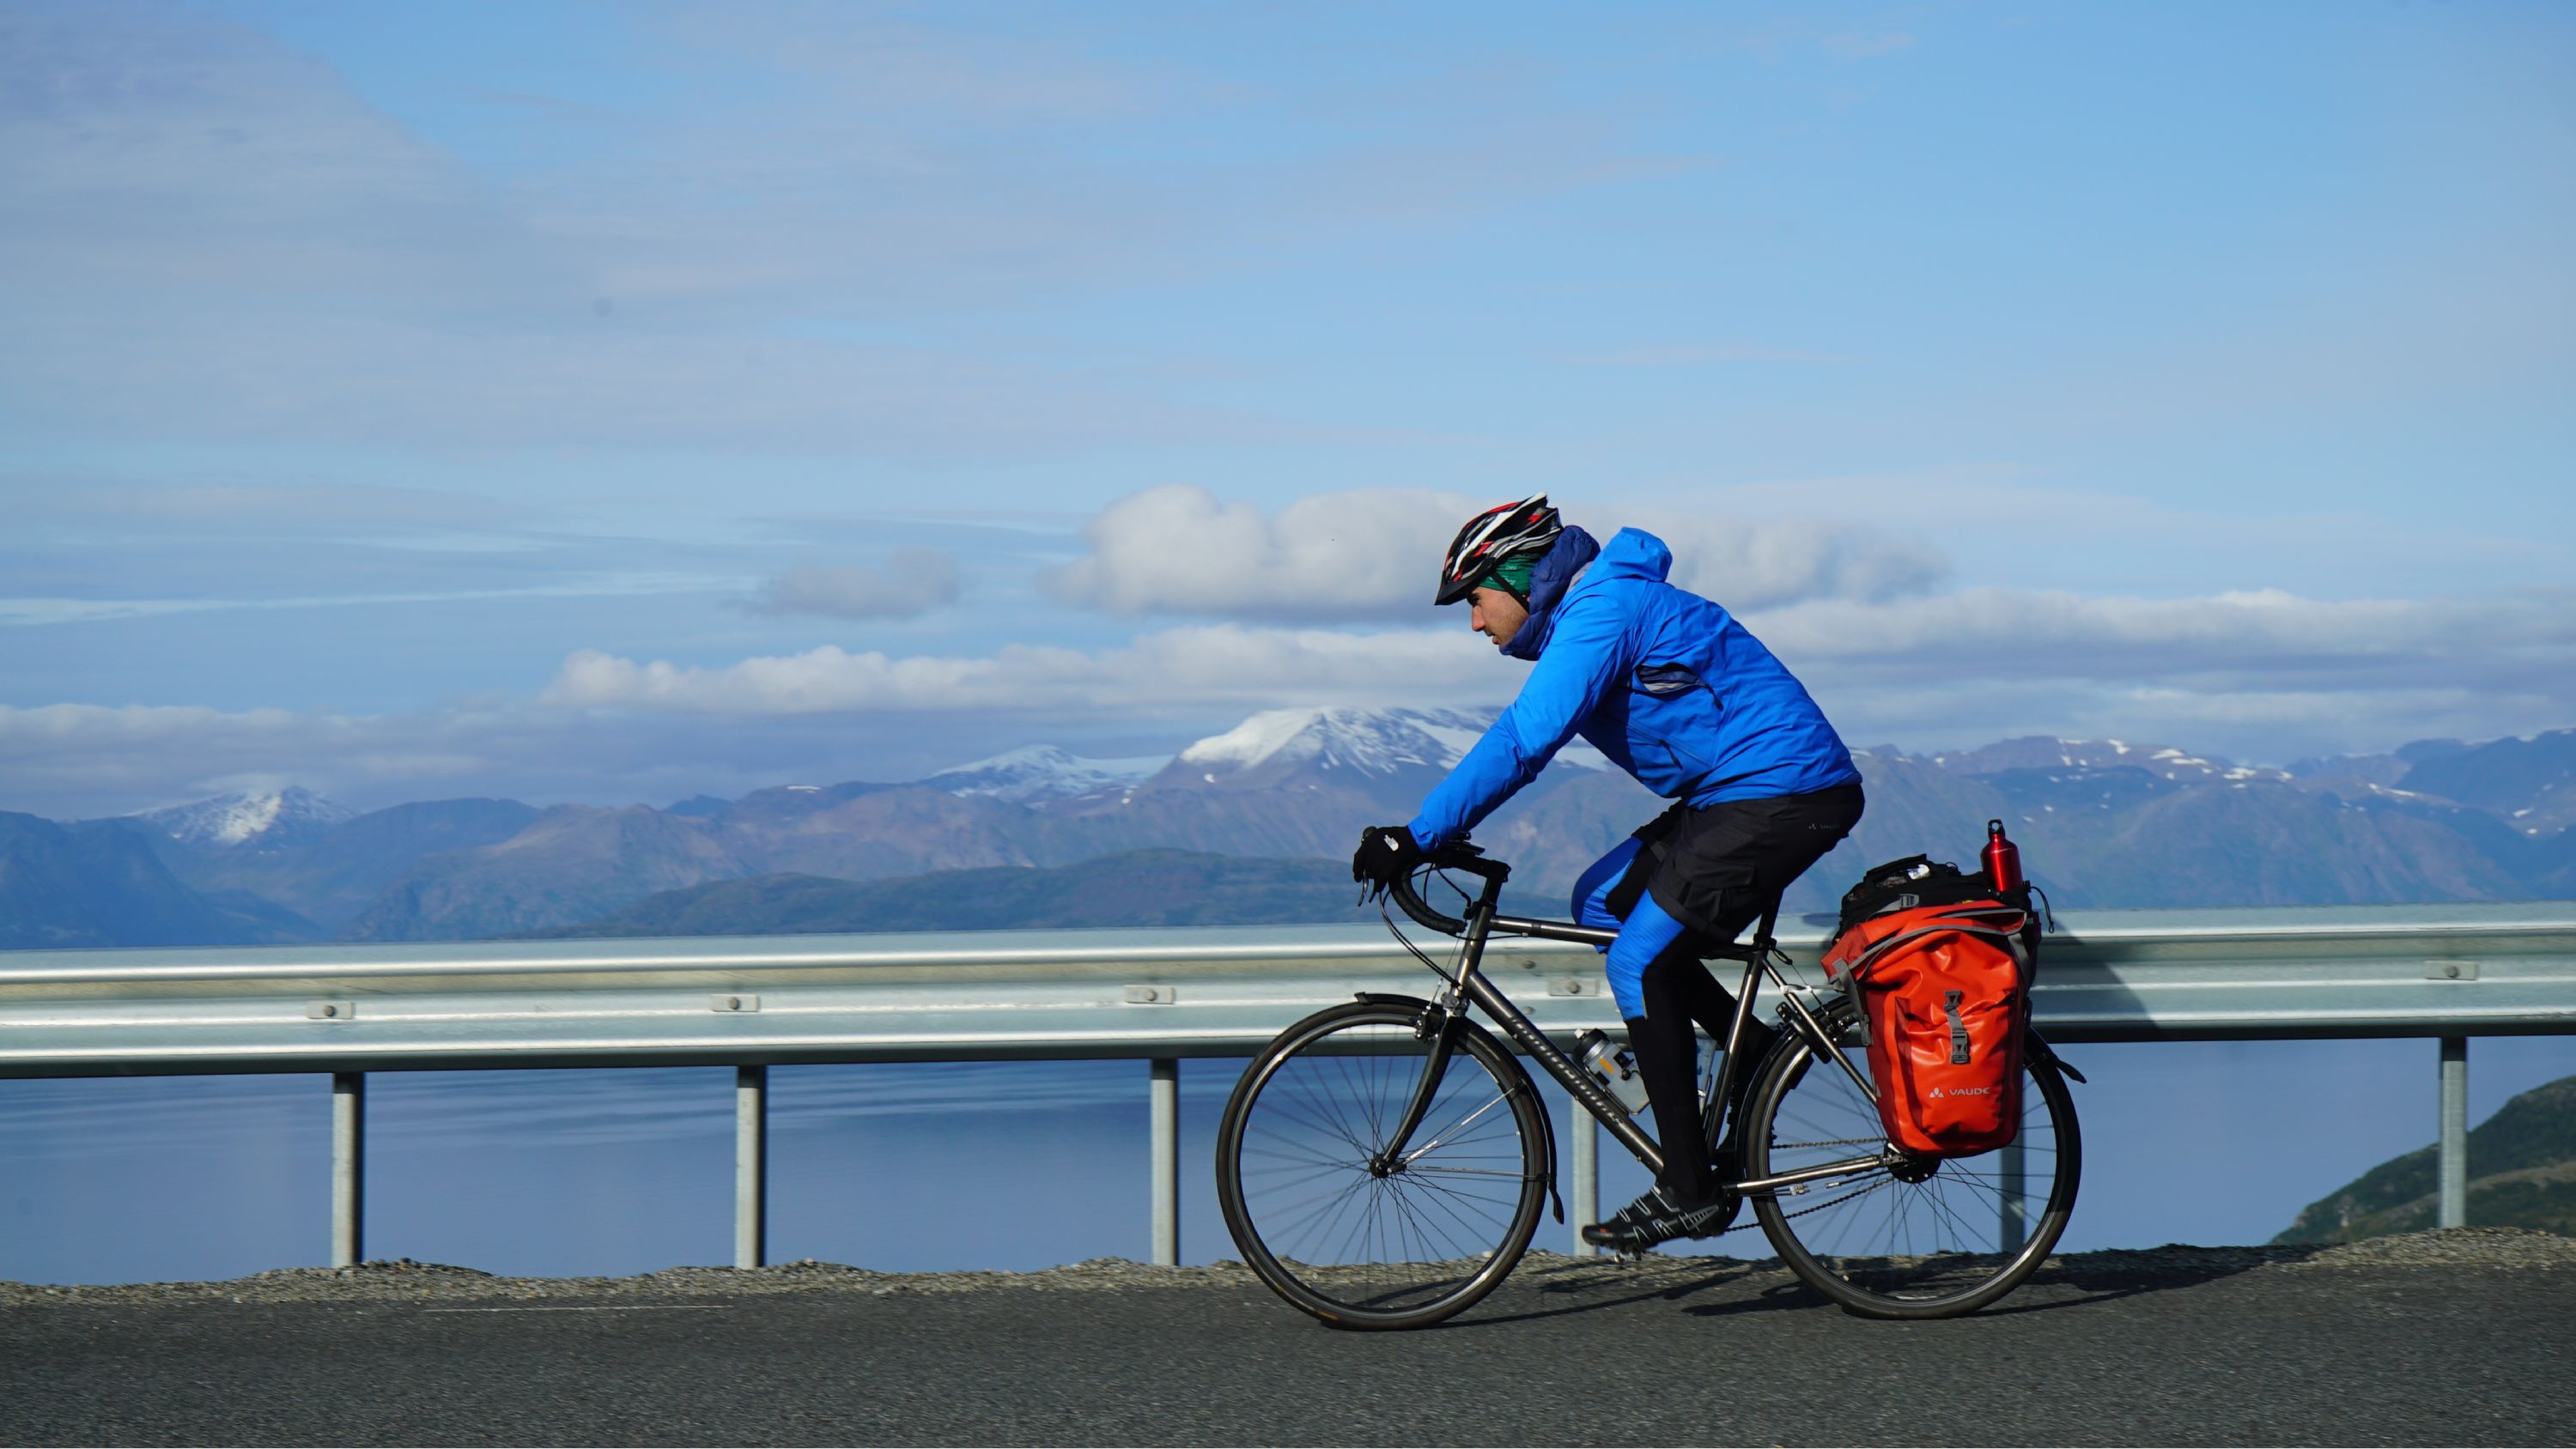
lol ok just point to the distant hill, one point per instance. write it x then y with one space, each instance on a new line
1135 888
92 883
2100 823
570 863
315 858
2532 782
261 820
2522 1174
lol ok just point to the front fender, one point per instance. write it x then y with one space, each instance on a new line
1430 1013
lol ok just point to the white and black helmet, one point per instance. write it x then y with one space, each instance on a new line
1491 537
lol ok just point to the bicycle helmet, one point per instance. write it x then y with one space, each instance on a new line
1529 526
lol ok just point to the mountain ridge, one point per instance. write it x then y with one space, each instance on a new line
2101 823
2522 1174
1132 888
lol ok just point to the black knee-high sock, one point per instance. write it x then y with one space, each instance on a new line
1664 1059
1678 991
1668 1059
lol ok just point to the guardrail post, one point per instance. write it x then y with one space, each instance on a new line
2012 1184
2455 1132
1586 1208
1166 1129
348 1167
750 1166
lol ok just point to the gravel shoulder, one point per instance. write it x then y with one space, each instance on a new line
402 1280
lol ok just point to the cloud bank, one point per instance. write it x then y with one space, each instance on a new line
1178 549
1373 554
1202 667
2265 676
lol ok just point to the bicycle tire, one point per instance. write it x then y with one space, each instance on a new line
1882 1246
1356 1249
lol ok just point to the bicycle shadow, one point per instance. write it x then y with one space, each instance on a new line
1666 1280
2103 1276
2095 1278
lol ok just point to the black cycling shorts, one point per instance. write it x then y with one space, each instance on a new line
1716 869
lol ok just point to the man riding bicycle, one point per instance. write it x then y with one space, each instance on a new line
1670 687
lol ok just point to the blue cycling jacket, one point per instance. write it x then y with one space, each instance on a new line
1663 682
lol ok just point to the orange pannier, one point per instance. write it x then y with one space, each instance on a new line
1944 994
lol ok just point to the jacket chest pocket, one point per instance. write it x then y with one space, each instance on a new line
1665 734
1664 681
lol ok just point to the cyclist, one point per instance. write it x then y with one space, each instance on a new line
1671 688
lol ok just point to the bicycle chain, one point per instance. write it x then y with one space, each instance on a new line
1828 1202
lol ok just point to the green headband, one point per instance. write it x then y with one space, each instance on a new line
1512 575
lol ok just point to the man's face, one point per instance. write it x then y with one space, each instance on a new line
1496 615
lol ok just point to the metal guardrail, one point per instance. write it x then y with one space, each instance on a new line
2446 971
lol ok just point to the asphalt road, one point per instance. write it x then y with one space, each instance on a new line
2271 1355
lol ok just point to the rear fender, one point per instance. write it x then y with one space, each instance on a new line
2039 1046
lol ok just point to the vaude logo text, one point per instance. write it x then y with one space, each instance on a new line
1940 1092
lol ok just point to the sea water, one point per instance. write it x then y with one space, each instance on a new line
1002 1165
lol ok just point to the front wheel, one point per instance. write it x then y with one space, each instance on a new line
1925 1240
1336 1226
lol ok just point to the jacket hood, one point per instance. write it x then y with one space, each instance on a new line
1556 572
1633 553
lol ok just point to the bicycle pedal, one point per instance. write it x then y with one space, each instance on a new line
1630 1256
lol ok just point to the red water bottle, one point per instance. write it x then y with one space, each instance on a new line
2003 859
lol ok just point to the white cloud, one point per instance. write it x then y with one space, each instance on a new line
1362 554
1762 563
2264 677
1373 554
2249 640
131 756
1201 666
56 726
913 582
85 761
2267 675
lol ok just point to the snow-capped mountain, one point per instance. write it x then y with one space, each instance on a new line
2045 752
1268 748
1042 772
2109 823
261 820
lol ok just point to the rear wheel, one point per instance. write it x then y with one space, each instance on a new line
1926 1239
1335 1227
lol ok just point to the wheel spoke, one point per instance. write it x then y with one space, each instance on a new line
1898 1248
1447 1218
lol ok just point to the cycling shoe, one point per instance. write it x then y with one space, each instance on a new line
1658 1217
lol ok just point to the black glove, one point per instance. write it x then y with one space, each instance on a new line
1387 854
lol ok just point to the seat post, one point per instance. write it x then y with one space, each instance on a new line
1762 937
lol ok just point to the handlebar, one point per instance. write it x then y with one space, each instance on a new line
1457 855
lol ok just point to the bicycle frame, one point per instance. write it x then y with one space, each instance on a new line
1470 987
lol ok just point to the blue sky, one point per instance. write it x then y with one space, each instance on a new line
614 402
